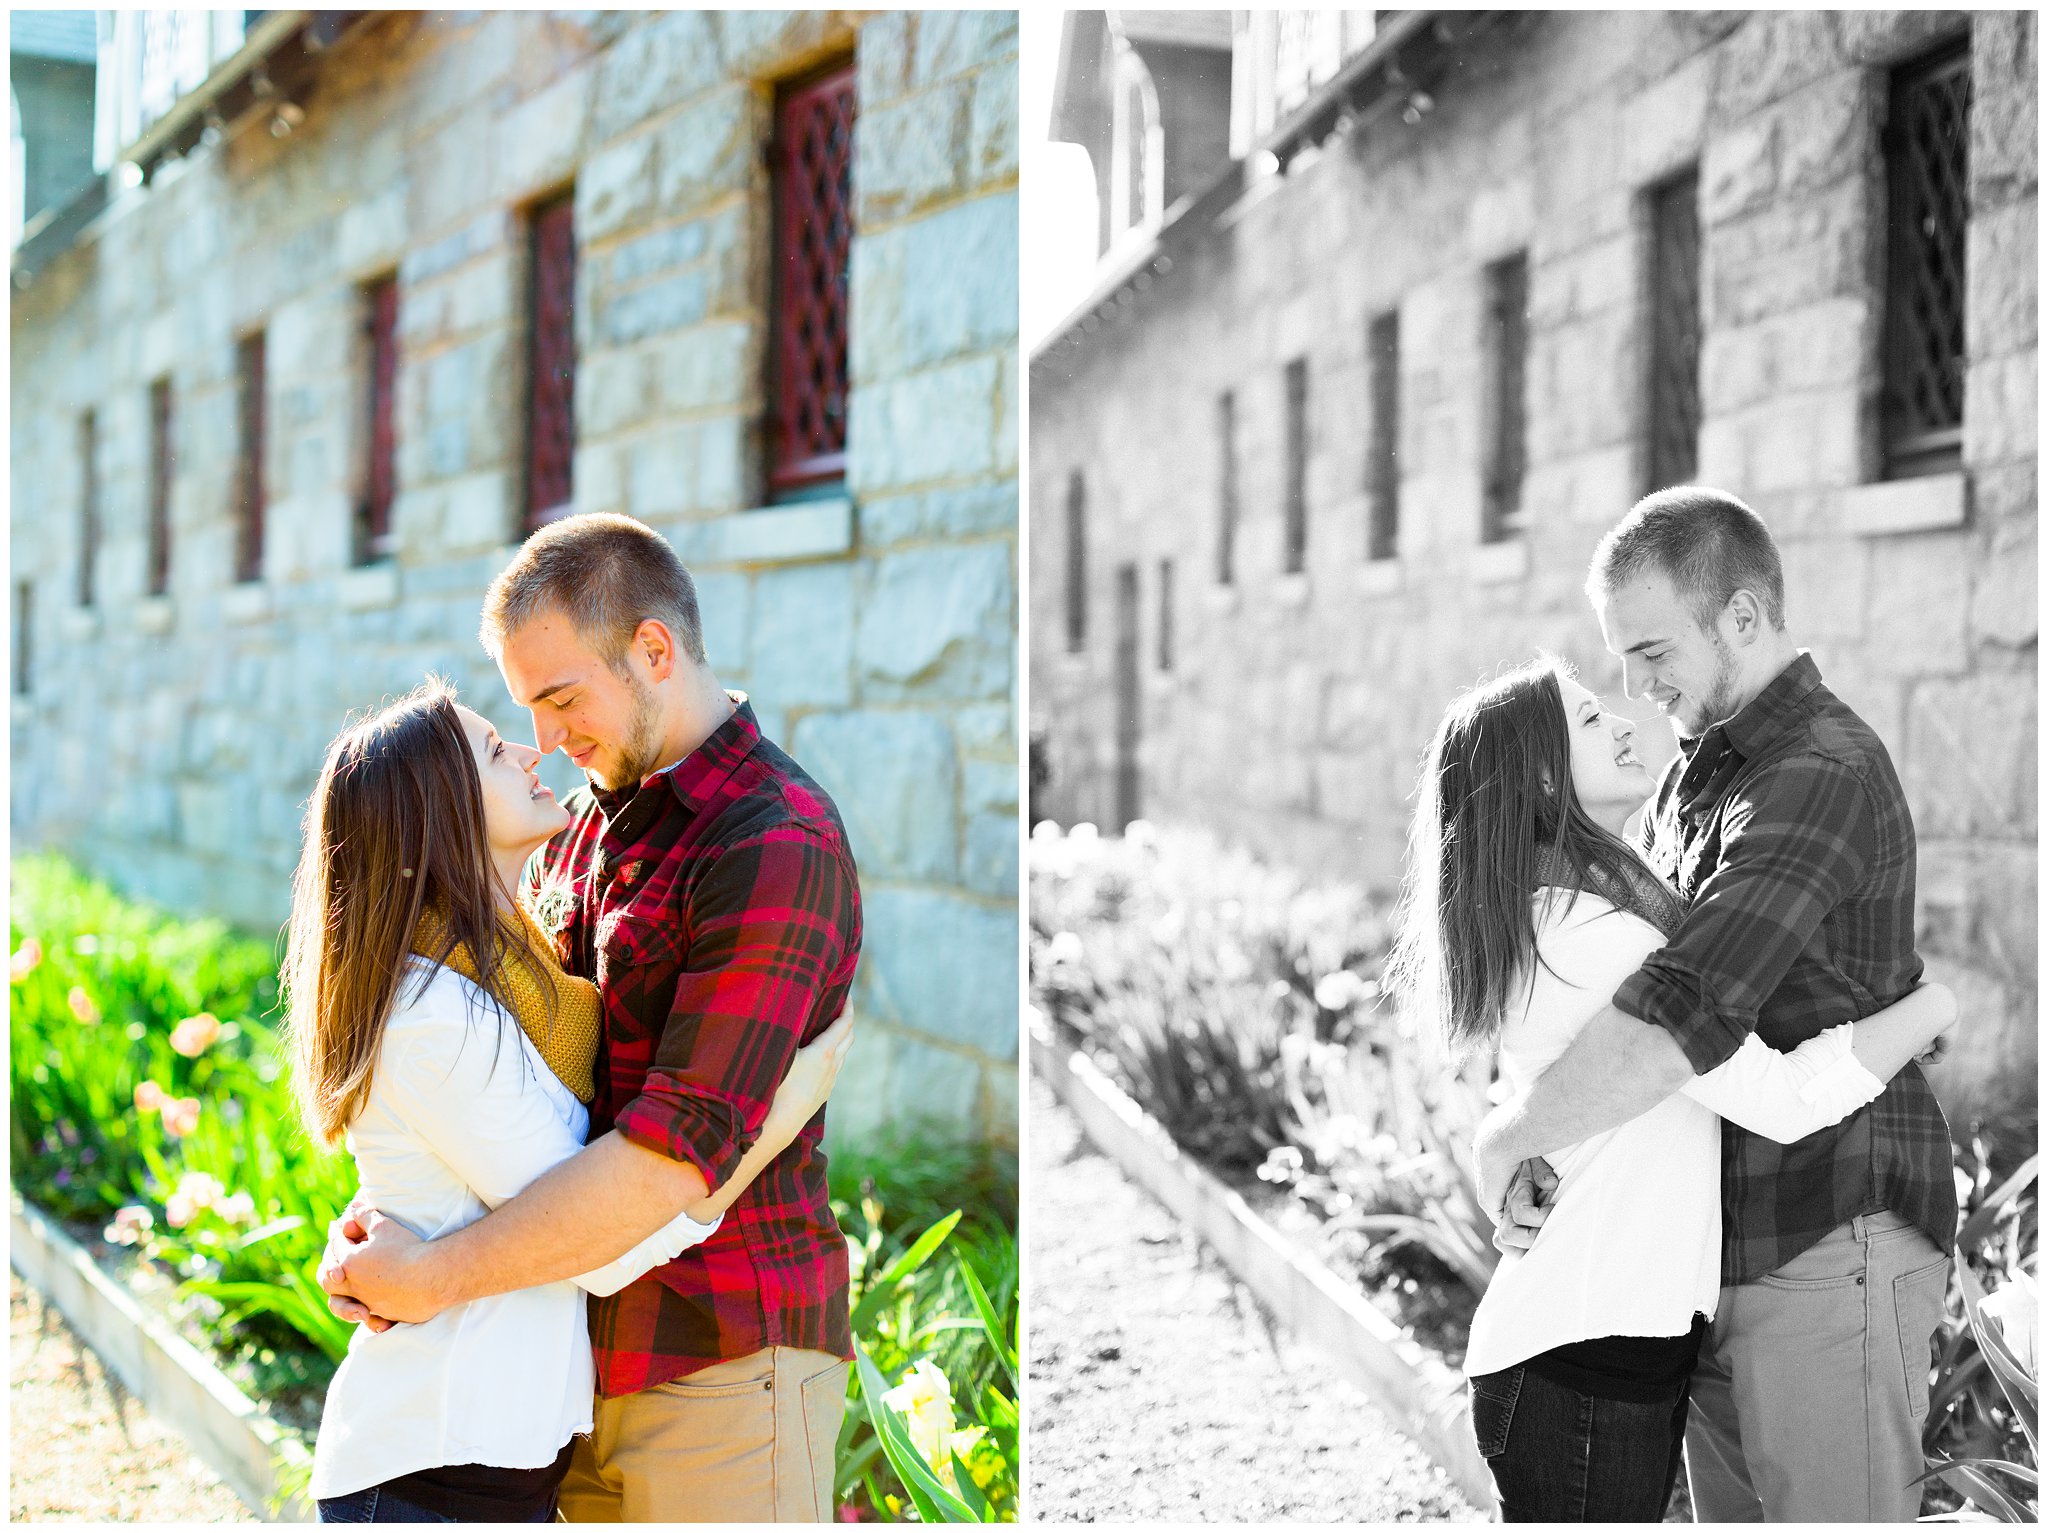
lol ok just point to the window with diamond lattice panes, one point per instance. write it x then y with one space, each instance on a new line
1926 141
1294 551
813 168
249 489
1226 509
551 362
1383 463
88 505
380 480
1674 292
162 460
1077 563
1507 350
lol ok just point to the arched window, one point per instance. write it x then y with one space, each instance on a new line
1137 183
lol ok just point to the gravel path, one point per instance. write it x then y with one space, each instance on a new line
1159 1389
82 1449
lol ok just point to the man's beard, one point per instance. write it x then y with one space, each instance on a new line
1718 703
640 751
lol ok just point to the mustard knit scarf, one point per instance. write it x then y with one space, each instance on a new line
569 1047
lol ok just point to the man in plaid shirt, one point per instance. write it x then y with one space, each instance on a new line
704 882
1784 826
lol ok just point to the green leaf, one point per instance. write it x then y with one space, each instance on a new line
970 1493
913 1258
991 1323
2019 1385
933 1501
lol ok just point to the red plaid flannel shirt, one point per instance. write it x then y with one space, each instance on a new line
718 909
1786 831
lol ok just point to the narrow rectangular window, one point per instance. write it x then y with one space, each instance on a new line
1077 563
380 480
1227 510
88 505
249 488
1165 614
551 361
24 618
1927 165
1296 546
162 461
812 164
1507 356
1674 292
1383 448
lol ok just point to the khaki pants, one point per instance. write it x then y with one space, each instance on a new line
751 1439
1811 1388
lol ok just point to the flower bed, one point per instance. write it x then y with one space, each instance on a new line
150 1113
1241 1007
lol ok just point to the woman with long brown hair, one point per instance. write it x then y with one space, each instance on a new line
433 1030
1524 910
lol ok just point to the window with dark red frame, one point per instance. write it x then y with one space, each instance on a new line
1507 356
249 371
161 461
88 504
380 479
551 362
813 171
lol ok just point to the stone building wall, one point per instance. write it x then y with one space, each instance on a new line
170 742
1297 707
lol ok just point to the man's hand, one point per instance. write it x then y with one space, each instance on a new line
383 1273
1532 1191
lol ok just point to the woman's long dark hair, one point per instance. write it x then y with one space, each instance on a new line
395 824
1496 817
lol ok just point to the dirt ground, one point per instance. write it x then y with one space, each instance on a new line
82 1449
1159 1389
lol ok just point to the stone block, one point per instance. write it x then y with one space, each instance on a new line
992 126
1663 126
911 154
708 367
660 252
989 787
612 391
950 43
477 513
725 613
943 965
708 149
937 1090
2004 589
888 520
1771 55
2005 112
449 178
1906 505
802 642
883 58
931 426
1739 171
894 778
1969 763
663 58
772 44
656 309
2001 418
935 289
370 235
989 861
2002 312
986 727
615 187
1824 132
938 623
487 232
864 1098
538 144
1828 589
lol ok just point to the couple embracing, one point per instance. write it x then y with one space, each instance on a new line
664 981
1724 1189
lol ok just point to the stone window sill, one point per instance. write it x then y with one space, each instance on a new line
1220 598
812 529
1907 505
370 588
1499 563
250 603
156 614
1380 577
23 711
1291 590
81 625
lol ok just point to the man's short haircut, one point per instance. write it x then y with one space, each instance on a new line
607 574
1708 544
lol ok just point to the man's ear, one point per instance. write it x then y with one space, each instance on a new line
657 646
1744 617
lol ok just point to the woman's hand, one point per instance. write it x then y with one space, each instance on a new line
809 1082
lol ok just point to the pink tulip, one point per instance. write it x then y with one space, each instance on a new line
82 1006
149 1097
130 1226
25 959
181 1116
195 1035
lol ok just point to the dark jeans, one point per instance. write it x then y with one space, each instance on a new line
380 1503
1561 1456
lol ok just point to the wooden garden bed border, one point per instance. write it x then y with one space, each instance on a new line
1424 1400
177 1383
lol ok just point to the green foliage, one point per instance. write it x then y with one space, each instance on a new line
1982 1437
1242 1007
932 1233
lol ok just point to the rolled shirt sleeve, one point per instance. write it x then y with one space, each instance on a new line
1794 842
768 936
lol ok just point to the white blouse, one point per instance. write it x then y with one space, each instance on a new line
1632 1246
462 1115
